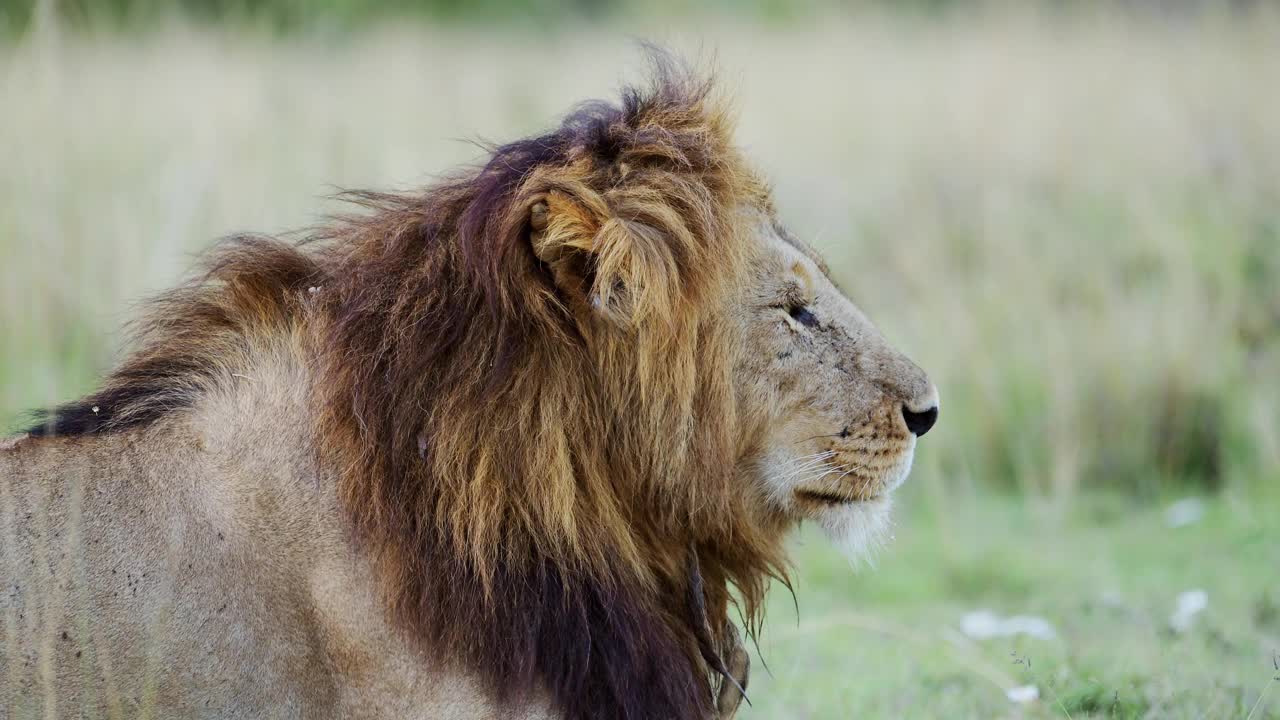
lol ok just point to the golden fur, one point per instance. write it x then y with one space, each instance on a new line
552 408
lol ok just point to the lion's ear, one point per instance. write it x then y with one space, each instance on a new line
591 269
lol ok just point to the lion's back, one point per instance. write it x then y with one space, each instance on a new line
126 589
196 575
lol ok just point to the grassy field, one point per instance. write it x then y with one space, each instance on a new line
888 642
1071 224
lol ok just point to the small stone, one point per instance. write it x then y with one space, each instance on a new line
984 624
1187 511
1190 604
1023 694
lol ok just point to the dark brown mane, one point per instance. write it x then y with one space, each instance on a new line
529 418
248 287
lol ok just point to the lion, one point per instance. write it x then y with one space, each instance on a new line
512 446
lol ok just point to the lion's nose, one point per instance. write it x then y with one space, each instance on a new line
919 423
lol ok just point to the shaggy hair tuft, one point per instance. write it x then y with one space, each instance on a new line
526 402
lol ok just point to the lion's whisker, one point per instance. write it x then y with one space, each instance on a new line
811 474
810 462
817 461
829 471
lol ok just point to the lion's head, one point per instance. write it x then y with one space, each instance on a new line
559 382
839 408
571 400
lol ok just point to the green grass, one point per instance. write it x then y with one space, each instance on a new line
885 642
339 16
1070 225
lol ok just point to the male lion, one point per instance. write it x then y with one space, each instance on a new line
501 448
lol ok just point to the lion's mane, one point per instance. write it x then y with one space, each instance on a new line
521 398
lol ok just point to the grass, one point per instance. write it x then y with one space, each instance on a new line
1070 223
885 642
286 17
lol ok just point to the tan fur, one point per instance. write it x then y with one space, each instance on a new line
508 448
201 568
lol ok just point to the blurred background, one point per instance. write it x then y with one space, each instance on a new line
1067 212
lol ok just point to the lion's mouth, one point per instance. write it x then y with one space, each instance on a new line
824 497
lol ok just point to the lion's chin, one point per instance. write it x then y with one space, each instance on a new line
857 529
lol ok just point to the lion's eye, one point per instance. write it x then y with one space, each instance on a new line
802 315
